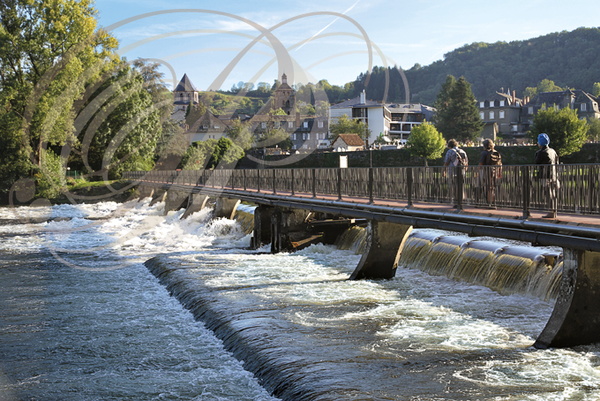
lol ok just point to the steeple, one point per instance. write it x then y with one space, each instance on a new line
185 94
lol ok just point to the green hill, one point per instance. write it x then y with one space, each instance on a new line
570 59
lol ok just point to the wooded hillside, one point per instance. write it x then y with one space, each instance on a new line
570 59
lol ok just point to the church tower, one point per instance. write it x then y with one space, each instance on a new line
284 96
185 94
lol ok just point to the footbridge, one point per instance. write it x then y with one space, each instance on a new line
297 206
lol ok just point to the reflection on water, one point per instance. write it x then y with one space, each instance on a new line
101 327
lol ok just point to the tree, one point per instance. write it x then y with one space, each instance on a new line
594 129
545 85
346 125
596 89
240 134
211 154
50 53
426 141
126 116
457 114
566 131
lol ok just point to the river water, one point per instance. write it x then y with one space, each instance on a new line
84 318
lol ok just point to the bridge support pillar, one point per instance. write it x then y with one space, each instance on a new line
384 246
196 202
288 229
158 196
174 200
262 226
575 319
145 191
225 207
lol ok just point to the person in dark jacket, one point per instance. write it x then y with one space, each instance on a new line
489 176
546 174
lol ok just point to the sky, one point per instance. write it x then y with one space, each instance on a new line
219 44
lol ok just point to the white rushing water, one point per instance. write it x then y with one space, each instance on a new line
99 326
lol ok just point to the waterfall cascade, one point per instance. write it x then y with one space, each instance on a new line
507 269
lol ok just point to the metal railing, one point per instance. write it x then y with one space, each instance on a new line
517 187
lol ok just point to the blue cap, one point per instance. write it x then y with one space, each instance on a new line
543 140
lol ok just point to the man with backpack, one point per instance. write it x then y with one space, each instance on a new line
455 161
489 176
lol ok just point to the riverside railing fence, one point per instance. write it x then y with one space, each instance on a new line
518 187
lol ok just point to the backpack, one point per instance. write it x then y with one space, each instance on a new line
493 158
461 158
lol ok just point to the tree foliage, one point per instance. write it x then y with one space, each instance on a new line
426 141
545 85
50 54
566 131
212 153
457 114
346 125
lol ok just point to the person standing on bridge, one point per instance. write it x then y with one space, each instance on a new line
546 174
455 161
489 176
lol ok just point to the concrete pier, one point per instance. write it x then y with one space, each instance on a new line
288 229
576 316
196 202
262 226
225 207
158 196
384 246
175 200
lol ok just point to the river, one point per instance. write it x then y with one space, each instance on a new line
84 318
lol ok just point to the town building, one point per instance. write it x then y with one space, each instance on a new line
502 116
348 143
404 117
509 118
375 115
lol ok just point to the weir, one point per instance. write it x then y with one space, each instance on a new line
574 282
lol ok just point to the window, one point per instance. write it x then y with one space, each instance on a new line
501 103
308 136
492 103
492 115
290 124
304 136
501 114
263 125
530 110
481 105
305 124
481 115
320 124
583 107
294 136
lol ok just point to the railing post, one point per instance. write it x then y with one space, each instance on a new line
409 186
314 182
244 179
460 186
526 191
370 185
292 184
339 183
257 180
274 176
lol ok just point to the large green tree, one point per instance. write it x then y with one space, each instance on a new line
426 142
457 115
124 122
50 52
566 131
